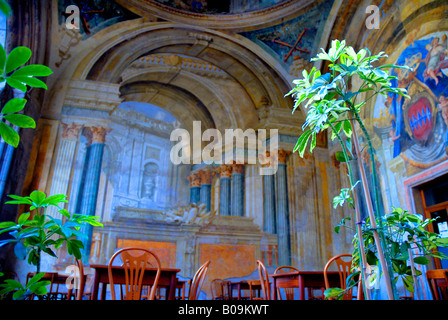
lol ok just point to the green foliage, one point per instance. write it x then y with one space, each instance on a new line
18 76
329 98
19 291
43 233
403 231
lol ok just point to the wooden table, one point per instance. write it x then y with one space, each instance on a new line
167 279
243 285
302 280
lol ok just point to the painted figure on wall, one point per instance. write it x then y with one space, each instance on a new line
419 124
149 181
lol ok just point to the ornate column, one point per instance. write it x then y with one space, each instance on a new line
195 187
283 233
64 162
206 188
269 219
88 193
237 202
225 174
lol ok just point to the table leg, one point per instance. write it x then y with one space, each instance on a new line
96 284
301 288
172 289
103 291
274 288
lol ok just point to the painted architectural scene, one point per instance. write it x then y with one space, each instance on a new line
128 74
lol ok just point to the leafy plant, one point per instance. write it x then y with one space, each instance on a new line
334 101
19 291
19 76
408 243
44 233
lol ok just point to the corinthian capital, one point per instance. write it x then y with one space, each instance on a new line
96 134
70 131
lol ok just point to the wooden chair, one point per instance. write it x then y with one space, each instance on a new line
289 292
197 282
217 288
344 268
226 289
79 283
48 276
264 279
254 289
438 283
134 268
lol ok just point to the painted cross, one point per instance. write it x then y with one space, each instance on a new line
293 47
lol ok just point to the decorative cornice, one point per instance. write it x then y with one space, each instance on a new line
93 95
146 64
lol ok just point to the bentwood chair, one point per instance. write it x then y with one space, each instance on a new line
344 269
197 282
438 283
217 287
254 289
135 261
264 279
289 292
80 287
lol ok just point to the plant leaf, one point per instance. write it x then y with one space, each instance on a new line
9 135
16 58
5 8
2 54
32 82
20 250
35 70
16 84
14 105
21 120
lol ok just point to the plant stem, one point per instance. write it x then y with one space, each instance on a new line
378 242
357 214
376 197
414 275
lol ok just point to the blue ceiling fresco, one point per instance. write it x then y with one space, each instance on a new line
295 38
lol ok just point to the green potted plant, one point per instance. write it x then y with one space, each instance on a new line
35 233
334 102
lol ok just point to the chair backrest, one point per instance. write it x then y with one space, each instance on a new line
264 279
217 289
198 280
82 280
48 276
289 292
254 287
134 267
438 283
344 269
